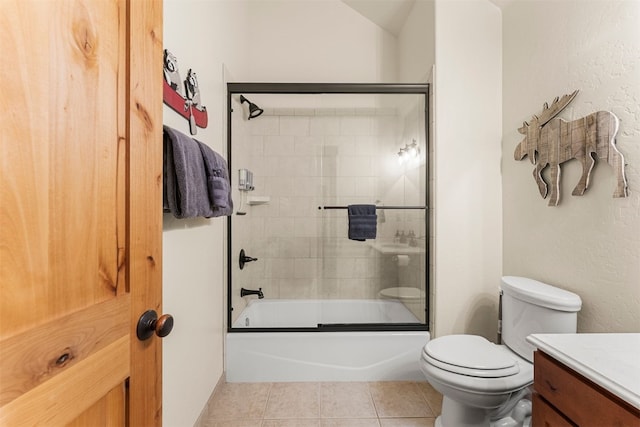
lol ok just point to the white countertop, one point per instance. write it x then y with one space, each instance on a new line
609 360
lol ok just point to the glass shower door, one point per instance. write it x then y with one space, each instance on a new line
311 154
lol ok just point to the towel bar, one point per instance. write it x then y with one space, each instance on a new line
377 207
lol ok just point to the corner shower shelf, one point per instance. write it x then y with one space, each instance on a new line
258 200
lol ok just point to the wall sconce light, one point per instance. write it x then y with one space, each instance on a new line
402 155
414 150
410 151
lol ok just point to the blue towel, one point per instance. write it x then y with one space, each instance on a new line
362 222
184 174
218 185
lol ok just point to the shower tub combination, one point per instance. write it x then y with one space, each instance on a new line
316 355
312 158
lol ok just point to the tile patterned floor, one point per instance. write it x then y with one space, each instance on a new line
324 404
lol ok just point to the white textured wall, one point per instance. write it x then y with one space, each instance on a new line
468 211
416 43
316 41
203 36
590 244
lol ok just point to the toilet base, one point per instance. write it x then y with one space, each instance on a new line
455 414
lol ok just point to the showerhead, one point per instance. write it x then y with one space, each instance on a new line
254 110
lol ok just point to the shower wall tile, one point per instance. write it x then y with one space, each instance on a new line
355 125
340 145
346 268
329 166
255 145
305 268
279 145
386 126
262 167
264 247
293 247
355 288
365 268
304 166
307 186
279 186
279 227
325 125
298 288
366 145
342 187
325 111
355 166
365 111
279 268
306 227
304 112
302 160
284 111
345 111
303 207
366 187
267 125
386 111
308 146
255 228
294 125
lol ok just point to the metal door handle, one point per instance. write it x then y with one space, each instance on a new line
149 323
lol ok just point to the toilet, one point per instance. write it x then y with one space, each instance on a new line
484 384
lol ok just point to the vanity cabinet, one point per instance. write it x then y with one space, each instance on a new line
563 397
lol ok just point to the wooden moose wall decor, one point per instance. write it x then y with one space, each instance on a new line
550 142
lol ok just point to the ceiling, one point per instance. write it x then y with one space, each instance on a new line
388 14
392 14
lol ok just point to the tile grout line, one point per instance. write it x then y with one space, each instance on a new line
373 402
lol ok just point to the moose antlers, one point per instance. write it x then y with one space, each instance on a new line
549 112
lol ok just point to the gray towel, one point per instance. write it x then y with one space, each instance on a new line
362 222
185 179
218 185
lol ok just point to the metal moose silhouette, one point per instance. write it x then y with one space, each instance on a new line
550 142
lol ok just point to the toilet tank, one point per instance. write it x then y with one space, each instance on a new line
532 307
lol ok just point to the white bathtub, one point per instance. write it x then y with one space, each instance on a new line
323 356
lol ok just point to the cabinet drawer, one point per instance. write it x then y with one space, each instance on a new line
545 415
581 400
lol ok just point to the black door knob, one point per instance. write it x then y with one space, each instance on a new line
149 323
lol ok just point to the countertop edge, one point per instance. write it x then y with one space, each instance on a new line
622 392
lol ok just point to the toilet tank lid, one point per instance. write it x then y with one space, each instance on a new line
541 294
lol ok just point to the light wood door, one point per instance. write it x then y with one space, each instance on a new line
80 211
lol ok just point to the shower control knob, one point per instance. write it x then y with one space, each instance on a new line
245 259
149 323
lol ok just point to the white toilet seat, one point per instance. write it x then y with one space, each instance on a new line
478 384
470 355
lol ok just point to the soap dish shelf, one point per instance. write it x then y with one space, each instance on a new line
258 200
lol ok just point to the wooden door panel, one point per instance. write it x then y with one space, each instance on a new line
35 356
67 395
145 206
80 211
62 165
109 411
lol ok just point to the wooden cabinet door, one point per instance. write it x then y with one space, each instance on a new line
80 211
